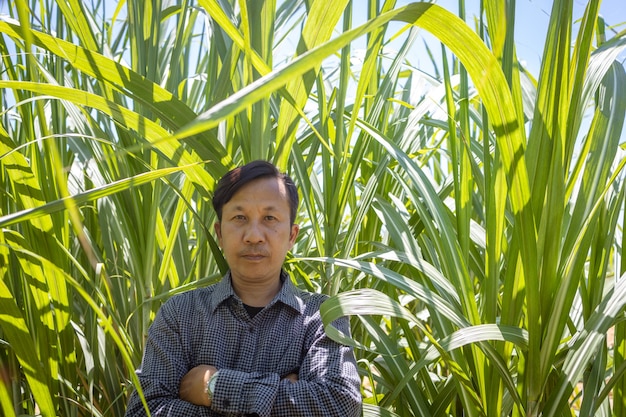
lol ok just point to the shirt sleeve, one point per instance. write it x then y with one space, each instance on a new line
328 384
163 366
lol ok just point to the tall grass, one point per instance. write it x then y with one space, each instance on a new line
469 219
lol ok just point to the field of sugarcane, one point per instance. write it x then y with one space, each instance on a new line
466 213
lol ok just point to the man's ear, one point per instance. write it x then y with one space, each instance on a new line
293 235
218 231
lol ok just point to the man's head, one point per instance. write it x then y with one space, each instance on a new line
232 181
256 208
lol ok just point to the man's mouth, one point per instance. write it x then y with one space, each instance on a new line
253 256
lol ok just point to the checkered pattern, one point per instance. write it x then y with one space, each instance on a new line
211 326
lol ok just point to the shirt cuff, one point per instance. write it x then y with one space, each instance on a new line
245 393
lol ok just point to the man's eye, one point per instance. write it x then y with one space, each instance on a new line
239 217
270 218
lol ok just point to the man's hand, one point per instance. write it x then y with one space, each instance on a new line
193 385
291 378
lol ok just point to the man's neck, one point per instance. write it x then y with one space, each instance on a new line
256 294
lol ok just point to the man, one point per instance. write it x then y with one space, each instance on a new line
252 344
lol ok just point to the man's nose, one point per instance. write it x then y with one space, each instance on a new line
253 234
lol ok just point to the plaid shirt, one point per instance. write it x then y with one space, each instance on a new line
211 326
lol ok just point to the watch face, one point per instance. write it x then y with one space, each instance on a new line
210 386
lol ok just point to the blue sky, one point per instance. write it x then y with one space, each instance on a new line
536 14
532 17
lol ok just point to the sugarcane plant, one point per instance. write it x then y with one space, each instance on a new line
466 213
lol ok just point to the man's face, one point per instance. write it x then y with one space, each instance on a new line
256 232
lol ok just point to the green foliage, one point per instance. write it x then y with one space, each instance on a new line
470 221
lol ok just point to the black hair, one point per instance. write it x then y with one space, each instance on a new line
233 180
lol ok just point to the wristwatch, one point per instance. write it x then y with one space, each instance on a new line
210 385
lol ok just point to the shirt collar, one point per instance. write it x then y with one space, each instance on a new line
288 294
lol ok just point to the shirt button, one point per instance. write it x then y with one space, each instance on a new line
226 403
251 329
